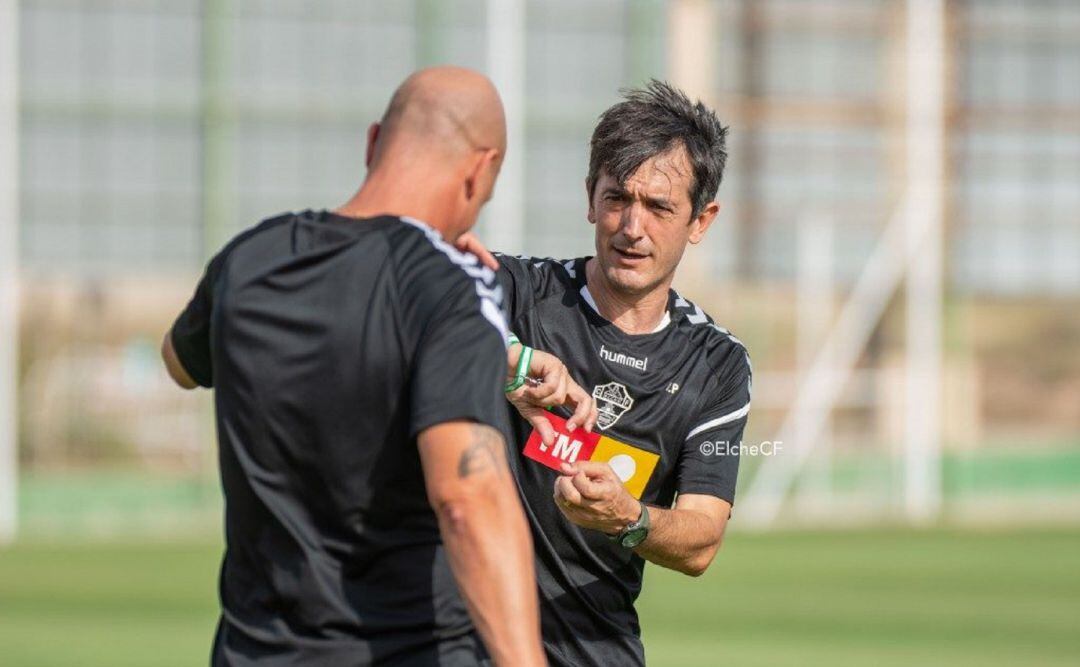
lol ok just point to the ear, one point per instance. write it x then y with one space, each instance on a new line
481 168
700 224
591 215
372 136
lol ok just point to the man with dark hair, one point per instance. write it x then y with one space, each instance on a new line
358 363
657 481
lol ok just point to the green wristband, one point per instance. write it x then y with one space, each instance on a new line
522 370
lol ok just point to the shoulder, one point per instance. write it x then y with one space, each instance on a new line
547 266
439 275
420 251
264 227
543 274
725 353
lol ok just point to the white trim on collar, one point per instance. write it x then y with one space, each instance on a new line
587 296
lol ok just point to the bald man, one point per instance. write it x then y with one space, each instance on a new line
358 363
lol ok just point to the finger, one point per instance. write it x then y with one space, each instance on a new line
594 415
552 392
597 470
485 256
566 494
587 403
559 397
567 468
587 487
541 395
538 419
535 415
545 366
583 407
469 243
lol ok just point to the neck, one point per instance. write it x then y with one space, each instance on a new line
382 194
631 313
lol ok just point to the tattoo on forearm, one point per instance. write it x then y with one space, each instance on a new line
483 453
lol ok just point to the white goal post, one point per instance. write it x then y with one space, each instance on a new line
9 257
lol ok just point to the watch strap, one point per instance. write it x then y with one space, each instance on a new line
640 527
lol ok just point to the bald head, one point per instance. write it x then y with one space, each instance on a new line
436 153
451 109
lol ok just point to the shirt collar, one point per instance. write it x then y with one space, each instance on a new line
588 298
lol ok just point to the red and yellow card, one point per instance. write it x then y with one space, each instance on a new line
633 465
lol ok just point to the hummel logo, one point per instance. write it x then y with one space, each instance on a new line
620 358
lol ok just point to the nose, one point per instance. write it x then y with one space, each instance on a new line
632 227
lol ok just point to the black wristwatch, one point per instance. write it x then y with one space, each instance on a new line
635 533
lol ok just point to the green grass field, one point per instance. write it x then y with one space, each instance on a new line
860 598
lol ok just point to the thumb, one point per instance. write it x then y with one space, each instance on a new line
468 242
543 426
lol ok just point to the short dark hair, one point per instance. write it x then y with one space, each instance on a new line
651 121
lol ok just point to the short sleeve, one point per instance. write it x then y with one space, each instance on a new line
526 280
460 366
516 278
191 331
709 460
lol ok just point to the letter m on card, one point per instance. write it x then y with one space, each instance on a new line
568 447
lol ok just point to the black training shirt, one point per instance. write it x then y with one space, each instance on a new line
330 343
672 407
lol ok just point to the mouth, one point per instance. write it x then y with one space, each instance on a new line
629 257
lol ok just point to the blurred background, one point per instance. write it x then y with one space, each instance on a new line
898 246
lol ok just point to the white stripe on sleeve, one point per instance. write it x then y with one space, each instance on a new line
713 423
482 276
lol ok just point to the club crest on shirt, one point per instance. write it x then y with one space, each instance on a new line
612 400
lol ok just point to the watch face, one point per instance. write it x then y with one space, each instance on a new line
634 537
